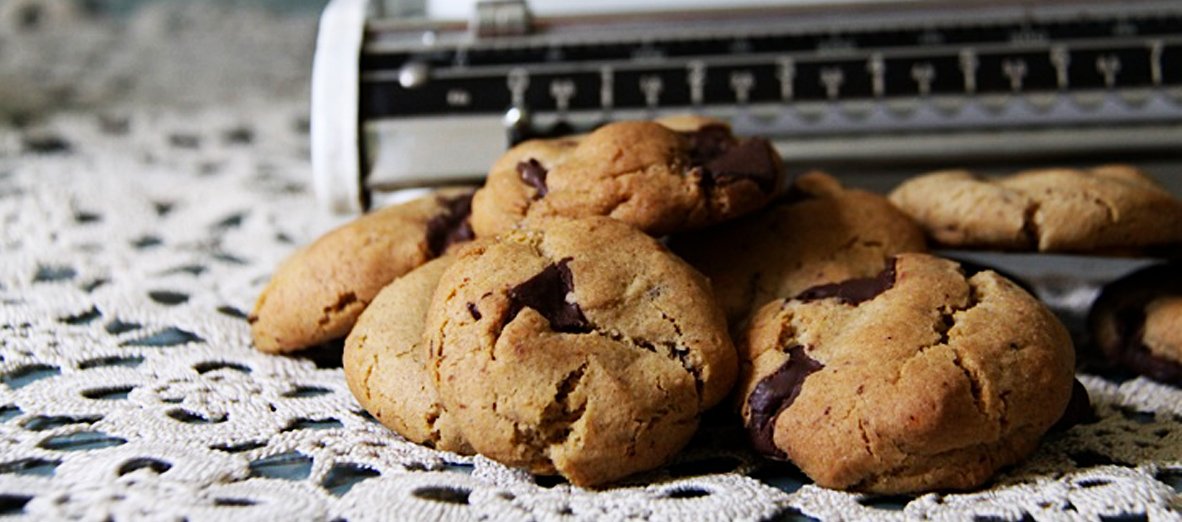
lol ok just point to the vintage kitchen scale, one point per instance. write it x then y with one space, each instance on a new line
405 94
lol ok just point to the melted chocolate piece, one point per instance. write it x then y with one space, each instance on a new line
750 159
723 158
708 143
1079 409
854 291
546 293
1123 304
534 175
472 309
450 226
774 394
1137 357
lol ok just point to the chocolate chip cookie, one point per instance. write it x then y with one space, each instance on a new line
578 347
818 233
1113 208
317 293
658 178
916 379
515 182
1137 322
388 367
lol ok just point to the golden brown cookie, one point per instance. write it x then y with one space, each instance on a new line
818 233
916 379
661 179
388 366
515 182
1137 322
1163 329
578 347
317 293
1108 208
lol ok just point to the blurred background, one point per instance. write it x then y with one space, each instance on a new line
78 54
60 55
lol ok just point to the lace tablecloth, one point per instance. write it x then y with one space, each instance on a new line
133 243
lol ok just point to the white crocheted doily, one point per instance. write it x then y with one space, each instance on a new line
134 241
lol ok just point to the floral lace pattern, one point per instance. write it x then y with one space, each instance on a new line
134 242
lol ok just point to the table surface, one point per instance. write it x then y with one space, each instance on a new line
135 240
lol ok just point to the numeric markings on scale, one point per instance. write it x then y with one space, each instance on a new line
877 69
562 91
924 73
786 74
922 76
930 37
1124 28
1028 35
518 82
740 46
1117 67
696 76
1015 70
607 82
458 98
968 67
1061 60
651 86
836 44
647 52
831 80
1108 65
741 83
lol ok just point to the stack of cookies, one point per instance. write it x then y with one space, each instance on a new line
578 314
1136 322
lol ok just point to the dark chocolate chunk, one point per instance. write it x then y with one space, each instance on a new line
708 143
546 293
1137 357
450 226
750 159
722 158
1079 409
854 291
472 309
774 394
534 175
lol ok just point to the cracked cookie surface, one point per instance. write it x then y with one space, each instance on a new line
661 177
1113 208
1137 322
818 233
578 347
318 292
387 365
915 379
